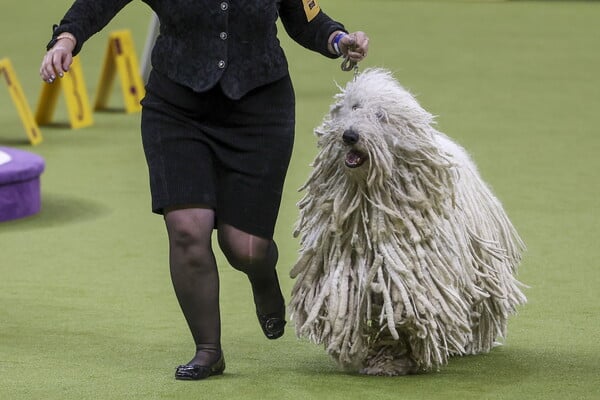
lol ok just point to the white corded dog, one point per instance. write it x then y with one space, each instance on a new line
407 258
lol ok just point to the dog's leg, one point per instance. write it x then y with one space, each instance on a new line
389 361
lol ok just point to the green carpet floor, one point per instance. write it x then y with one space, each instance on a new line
86 305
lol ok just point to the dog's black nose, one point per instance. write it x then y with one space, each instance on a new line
350 136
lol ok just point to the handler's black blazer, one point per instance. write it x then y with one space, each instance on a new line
202 42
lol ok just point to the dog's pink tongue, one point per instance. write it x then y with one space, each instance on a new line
353 159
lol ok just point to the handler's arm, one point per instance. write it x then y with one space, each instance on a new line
82 20
87 17
310 27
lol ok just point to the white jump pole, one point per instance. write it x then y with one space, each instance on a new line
153 29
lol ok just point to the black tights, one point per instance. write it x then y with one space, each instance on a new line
196 280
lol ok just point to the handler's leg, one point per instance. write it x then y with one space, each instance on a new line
257 258
195 278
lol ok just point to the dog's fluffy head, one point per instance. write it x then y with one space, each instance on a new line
375 123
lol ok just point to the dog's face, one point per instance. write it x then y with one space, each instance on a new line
372 121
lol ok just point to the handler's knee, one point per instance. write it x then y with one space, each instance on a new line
245 252
190 230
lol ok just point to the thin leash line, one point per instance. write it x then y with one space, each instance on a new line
348 65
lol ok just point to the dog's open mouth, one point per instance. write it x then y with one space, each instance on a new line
355 158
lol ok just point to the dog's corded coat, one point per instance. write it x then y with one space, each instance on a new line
406 256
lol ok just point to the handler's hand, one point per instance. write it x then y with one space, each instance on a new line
57 60
355 46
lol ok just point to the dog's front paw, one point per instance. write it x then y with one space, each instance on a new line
386 365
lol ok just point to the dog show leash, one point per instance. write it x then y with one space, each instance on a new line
348 65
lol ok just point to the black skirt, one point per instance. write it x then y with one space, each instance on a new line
230 155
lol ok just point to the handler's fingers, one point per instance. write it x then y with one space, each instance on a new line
67 61
55 63
59 56
355 46
362 43
46 69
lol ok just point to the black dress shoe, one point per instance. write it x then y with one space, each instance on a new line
196 372
272 324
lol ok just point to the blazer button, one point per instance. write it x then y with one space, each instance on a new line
223 35
224 6
221 64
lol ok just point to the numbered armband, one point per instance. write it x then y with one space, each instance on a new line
311 9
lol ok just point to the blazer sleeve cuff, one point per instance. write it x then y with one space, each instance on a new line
73 30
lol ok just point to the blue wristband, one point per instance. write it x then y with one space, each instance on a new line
335 43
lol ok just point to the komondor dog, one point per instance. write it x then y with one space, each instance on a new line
406 256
